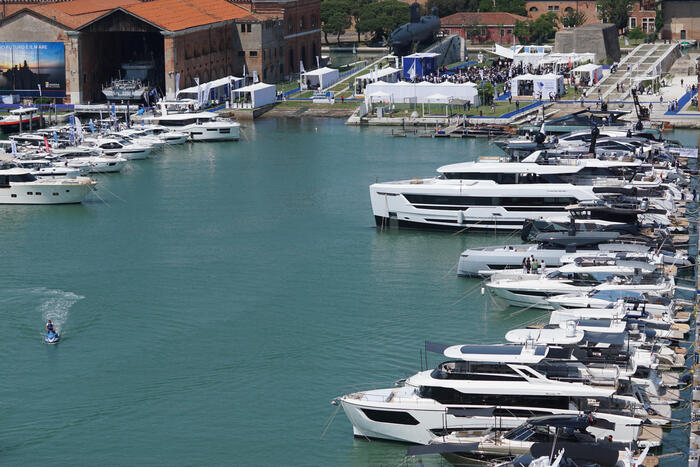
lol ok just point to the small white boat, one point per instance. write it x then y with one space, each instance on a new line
201 126
25 115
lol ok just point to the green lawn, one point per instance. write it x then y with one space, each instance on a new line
632 42
284 87
307 104
439 109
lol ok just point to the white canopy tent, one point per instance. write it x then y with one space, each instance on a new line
422 92
320 78
388 74
255 96
537 85
218 89
589 73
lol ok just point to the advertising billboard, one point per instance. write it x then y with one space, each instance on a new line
26 66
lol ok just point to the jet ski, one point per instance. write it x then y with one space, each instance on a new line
52 337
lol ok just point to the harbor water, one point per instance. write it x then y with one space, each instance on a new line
214 299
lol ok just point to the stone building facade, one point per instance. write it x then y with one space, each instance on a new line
681 20
643 12
302 29
482 27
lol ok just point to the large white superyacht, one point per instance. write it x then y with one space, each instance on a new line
495 195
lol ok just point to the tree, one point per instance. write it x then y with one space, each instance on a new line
573 19
616 12
356 7
636 33
335 16
448 7
537 31
382 17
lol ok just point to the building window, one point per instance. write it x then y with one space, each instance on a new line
648 25
682 34
247 27
290 25
503 32
242 27
302 26
553 7
633 22
313 21
241 53
253 53
533 9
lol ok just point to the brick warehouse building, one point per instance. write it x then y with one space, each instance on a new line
302 28
643 12
205 39
482 27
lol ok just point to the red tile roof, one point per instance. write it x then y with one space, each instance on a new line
176 15
487 18
171 15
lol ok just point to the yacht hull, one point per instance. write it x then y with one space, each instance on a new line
435 418
46 193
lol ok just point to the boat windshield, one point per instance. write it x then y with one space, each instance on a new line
528 432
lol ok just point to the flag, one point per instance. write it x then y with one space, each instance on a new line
199 91
78 129
481 74
13 145
92 127
55 137
245 73
595 77
177 83
301 66
255 77
72 136
113 112
570 61
46 144
627 42
318 62
412 71
71 119
39 86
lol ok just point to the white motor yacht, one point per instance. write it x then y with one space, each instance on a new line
532 290
484 387
201 126
19 186
112 146
44 168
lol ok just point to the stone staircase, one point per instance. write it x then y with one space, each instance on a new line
644 60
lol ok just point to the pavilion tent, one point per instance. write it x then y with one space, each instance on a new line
537 85
403 92
321 78
255 96
590 73
388 74
218 89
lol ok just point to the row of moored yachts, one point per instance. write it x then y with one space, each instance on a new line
55 165
599 211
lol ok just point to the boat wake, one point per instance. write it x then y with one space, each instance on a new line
56 304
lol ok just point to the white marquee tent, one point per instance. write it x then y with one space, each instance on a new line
321 78
537 85
218 89
255 96
422 92
589 73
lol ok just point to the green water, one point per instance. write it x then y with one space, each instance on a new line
221 295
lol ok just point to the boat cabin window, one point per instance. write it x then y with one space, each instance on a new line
521 202
462 370
22 178
449 396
